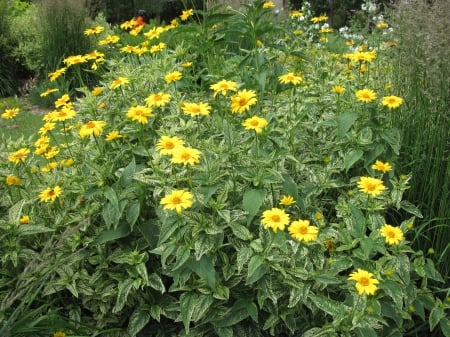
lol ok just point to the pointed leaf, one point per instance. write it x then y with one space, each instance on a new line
127 174
345 122
256 269
436 314
253 199
15 212
123 291
133 213
352 157
138 320
205 269
358 223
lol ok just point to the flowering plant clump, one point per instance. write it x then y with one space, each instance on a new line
251 192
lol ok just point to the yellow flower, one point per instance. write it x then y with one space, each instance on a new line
113 135
96 91
338 89
382 167
24 219
173 76
196 109
42 141
366 95
49 167
382 25
295 14
393 235
59 334
51 152
63 115
119 82
243 100
223 86
186 64
275 218
186 14
185 155
57 73
372 186
177 200
62 101
48 92
110 39
302 231
255 123
392 102
128 49
12 180
50 194
67 162
19 156
365 283
166 145
318 19
290 78
10 113
287 200
91 128
268 4
94 30
46 128
154 33
160 99
140 114
74 59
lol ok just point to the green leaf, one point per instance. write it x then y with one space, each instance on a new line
193 307
33 229
183 254
394 291
345 122
444 324
291 188
133 213
224 331
358 223
436 314
111 211
366 332
329 306
271 321
243 255
207 192
367 246
150 230
169 226
241 231
252 201
388 310
15 212
138 320
393 138
155 282
126 177
123 291
256 269
240 310
351 158
205 269
122 230
410 208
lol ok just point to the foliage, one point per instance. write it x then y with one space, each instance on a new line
120 232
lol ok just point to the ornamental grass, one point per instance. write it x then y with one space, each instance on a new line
205 188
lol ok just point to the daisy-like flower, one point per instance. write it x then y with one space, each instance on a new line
62 115
243 100
96 91
173 76
59 334
110 39
12 180
48 92
50 194
140 114
196 109
302 231
47 127
119 81
382 25
321 18
290 78
275 218
268 4
366 95
57 73
62 101
113 135
295 14
49 167
154 33
24 219
159 99
74 59
392 102
365 282
10 113
67 162
94 30
392 235
177 200
185 155
91 128
223 87
382 167
186 14
19 156
186 64
255 123
51 152
42 141
287 200
338 89
128 49
371 186
166 145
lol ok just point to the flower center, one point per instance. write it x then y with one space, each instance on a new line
371 187
169 145
186 156
390 234
276 218
364 281
176 200
303 230
90 125
242 101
